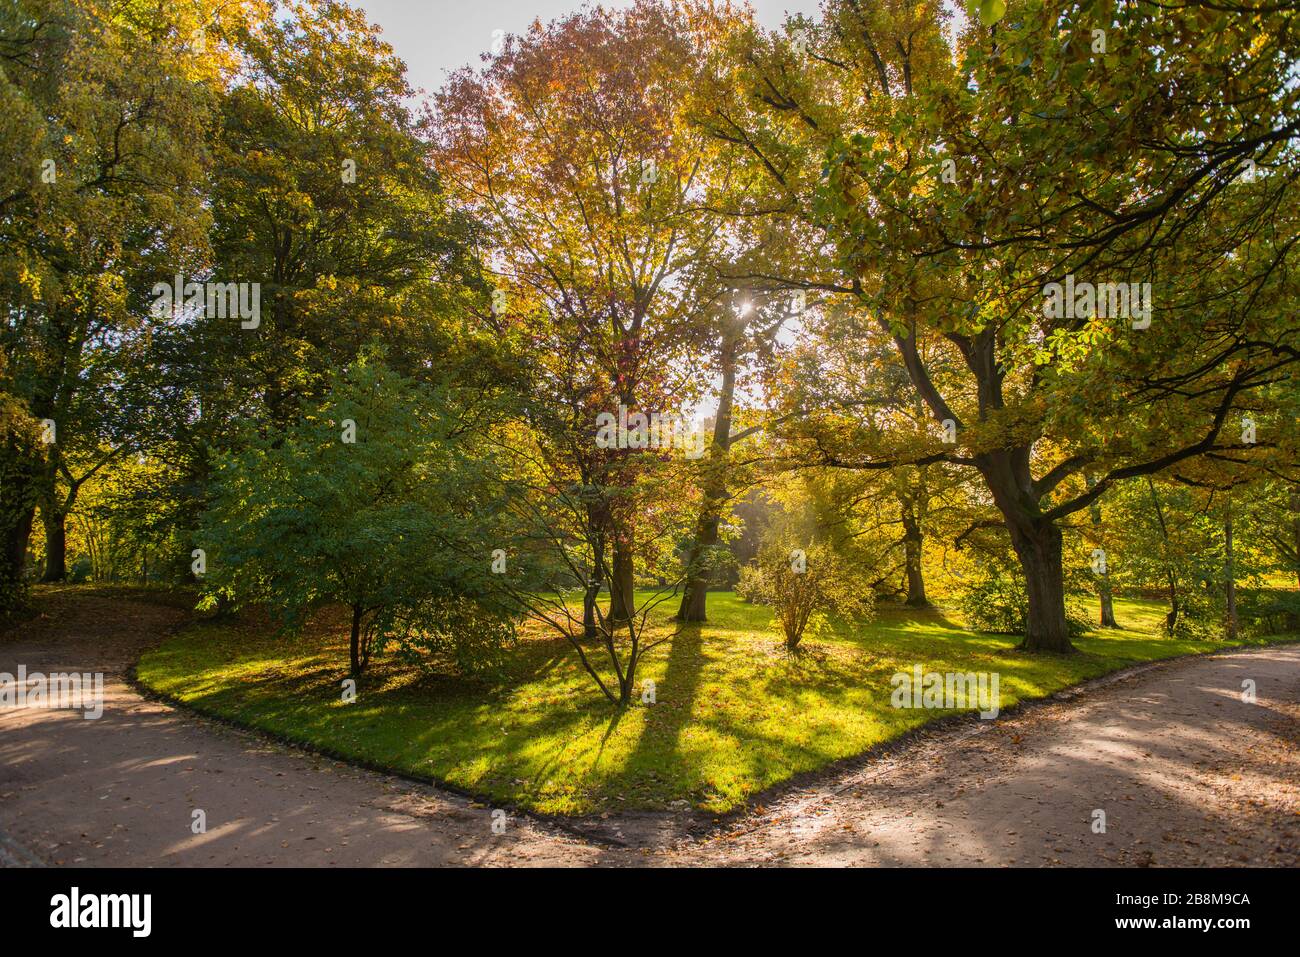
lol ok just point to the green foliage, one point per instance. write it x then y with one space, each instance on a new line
1268 611
396 525
805 586
989 12
996 602
446 634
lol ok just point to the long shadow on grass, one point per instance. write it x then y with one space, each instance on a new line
658 749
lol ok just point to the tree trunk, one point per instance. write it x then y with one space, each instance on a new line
622 600
1038 546
694 606
1107 602
15 532
354 645
17 508
1295 532
912 498
56 545
1232 626
915 576
1107 617
1171 618
589 599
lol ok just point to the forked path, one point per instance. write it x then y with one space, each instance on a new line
1185 771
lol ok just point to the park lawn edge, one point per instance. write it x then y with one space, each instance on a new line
330 746
697 821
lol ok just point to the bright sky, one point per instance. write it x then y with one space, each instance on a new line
437 36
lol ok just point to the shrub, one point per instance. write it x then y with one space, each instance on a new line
748 584
805 586
997 602
1268 611
438 634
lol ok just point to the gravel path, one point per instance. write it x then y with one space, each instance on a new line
1185 771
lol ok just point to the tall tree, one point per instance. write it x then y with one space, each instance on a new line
959 171
571 145
106 108
322 196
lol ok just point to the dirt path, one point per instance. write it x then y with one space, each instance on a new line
1186 772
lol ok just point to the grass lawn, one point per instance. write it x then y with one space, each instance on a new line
735 713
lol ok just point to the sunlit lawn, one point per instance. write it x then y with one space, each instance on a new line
735 713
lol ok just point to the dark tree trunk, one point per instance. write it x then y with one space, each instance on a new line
1295 532
1107 602
1232 625
622 599
56 545
15 532
17 509
694 606
1171 619
915 576
356 661
1038 546
589 598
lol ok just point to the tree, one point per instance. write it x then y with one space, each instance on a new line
747 333
571 146
958 182
554 554
323 200
379 500
106 108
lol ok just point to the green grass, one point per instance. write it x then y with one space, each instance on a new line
735 713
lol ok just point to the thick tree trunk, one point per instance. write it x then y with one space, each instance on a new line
1107 602
622 600
915 576
17 509
694 604
56 545
1232 625
695 596
15 532
1038 546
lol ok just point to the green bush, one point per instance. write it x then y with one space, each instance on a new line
804 587
442 634
1268 611
997 602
